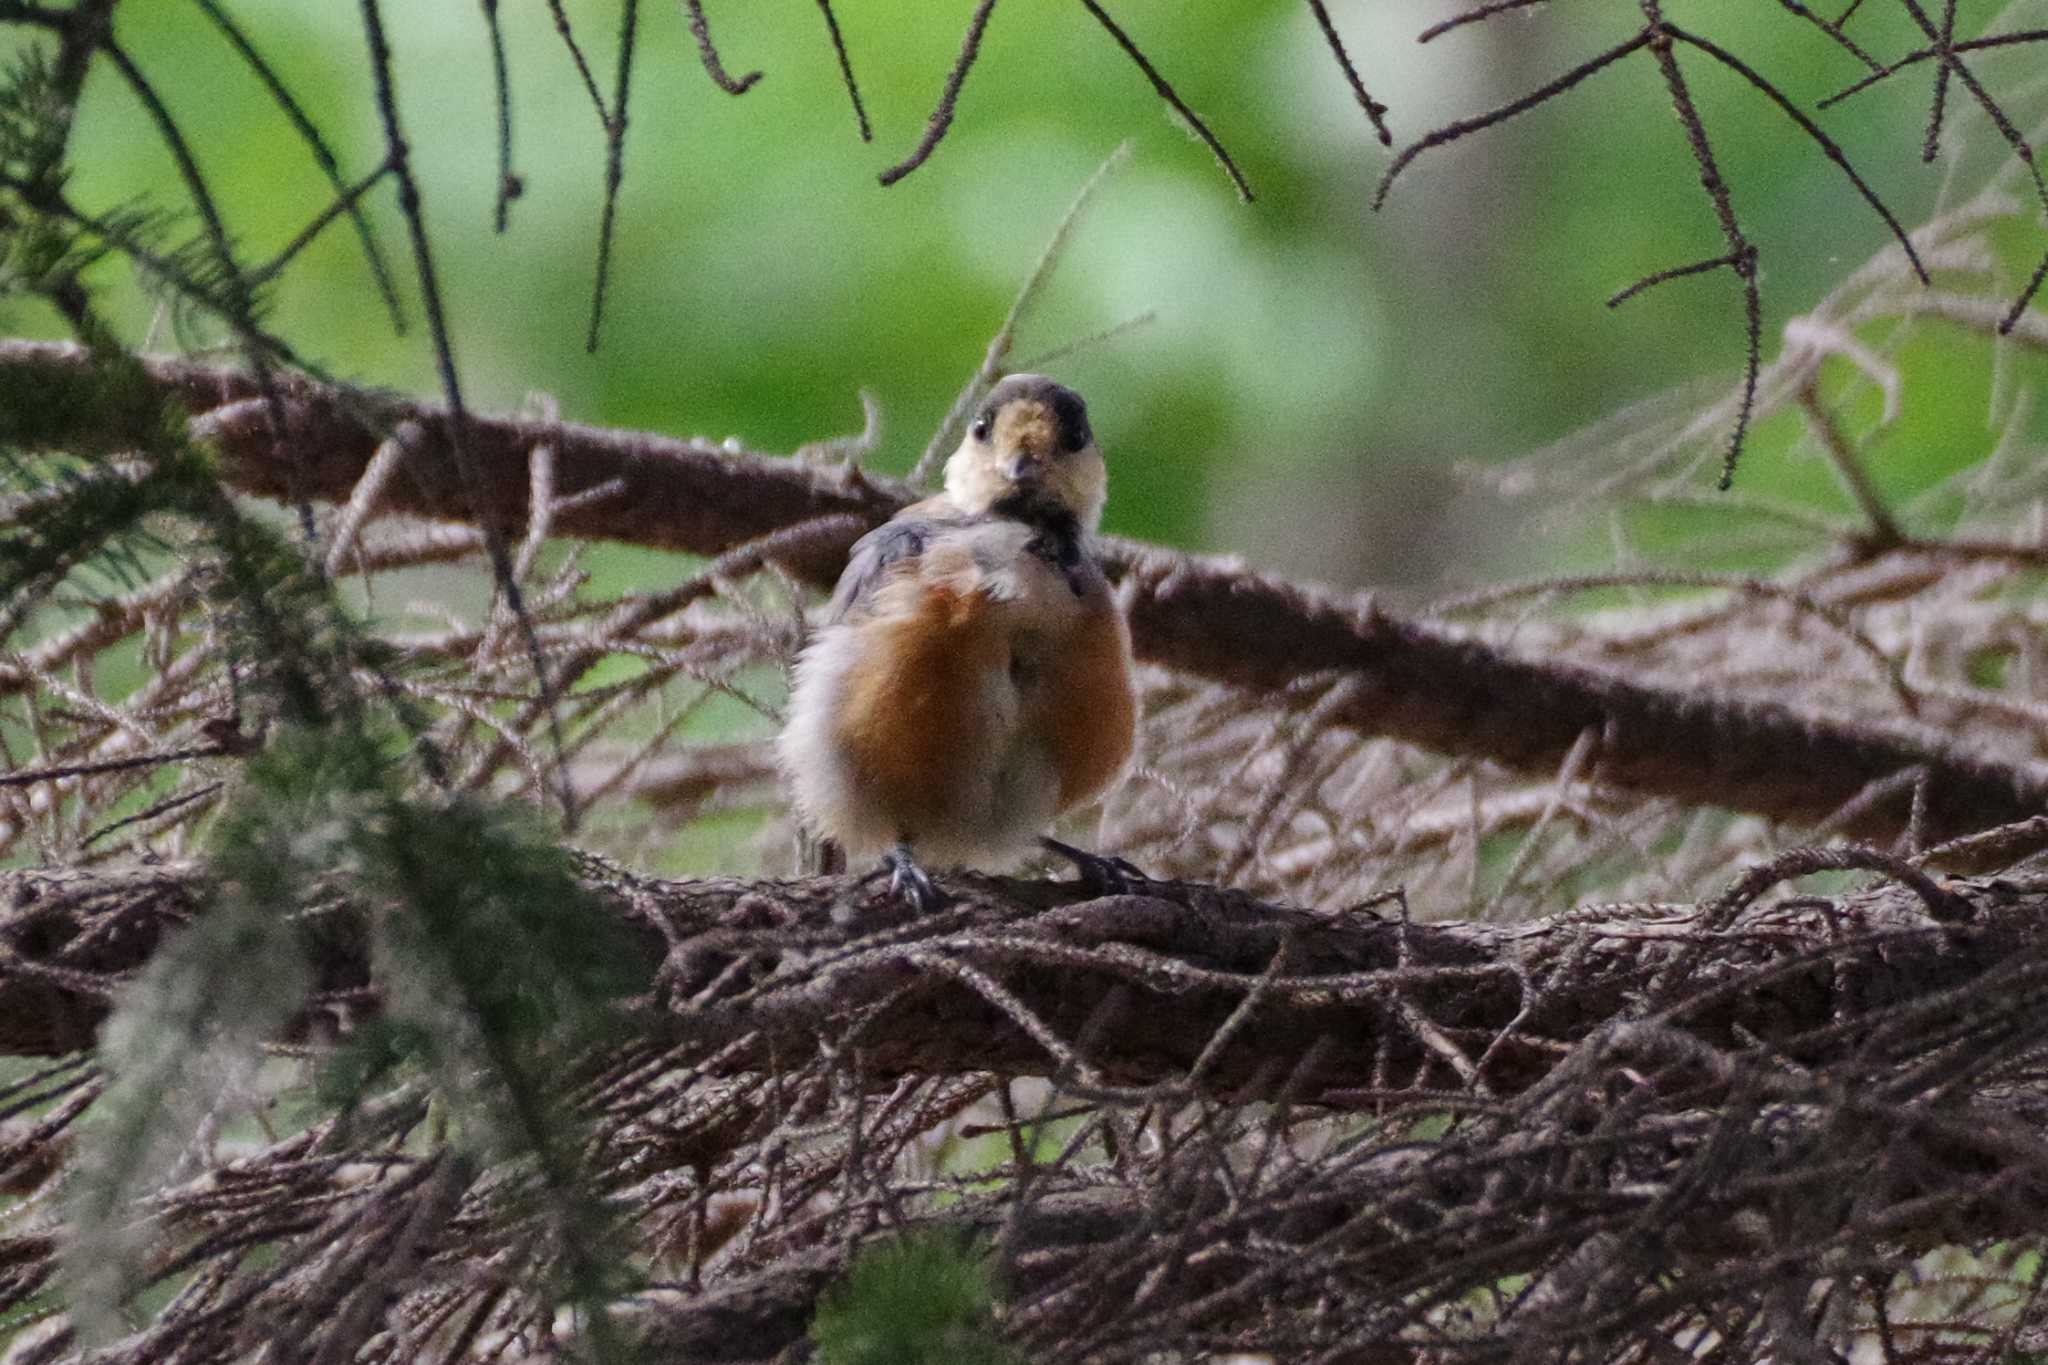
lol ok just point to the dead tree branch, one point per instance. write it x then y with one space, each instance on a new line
1633 1149
1211 618
1148 979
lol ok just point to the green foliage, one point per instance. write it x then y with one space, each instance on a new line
495 970
186 1041
34 118
482 930
922 1299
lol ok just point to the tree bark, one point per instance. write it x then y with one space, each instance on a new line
1182 985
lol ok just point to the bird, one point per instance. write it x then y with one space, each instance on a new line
971 679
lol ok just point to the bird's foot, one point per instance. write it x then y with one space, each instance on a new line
908 882
1105 875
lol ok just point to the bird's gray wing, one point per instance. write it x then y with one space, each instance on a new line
877 556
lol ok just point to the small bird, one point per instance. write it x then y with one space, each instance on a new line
971 680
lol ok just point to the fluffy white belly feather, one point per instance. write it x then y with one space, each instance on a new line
998 796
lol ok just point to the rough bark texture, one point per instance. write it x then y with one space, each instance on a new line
1149 979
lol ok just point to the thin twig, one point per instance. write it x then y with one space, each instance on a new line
307 235
1676 272
1458 128
614 167
1472 16
707 52
1834 32
1742 256
1172 97
568 37
942 113
241 312
501 93
860 113
948 431
323 156
451 385
1375 112
1827 145
60 772
1944 45
1884 532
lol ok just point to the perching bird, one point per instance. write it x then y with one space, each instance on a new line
972 678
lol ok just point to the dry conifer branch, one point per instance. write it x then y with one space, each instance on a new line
1210 619
1632 1170
1051 957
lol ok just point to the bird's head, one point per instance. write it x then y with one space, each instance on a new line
1030 450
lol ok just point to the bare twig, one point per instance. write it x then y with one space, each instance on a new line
1172 97
614 165
860 113
1375 112
457 417
942 113
707 51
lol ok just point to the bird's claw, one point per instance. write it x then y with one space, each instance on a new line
908 882
1104 874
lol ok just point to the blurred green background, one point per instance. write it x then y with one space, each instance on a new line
1314 366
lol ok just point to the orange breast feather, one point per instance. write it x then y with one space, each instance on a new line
1090 707
910 723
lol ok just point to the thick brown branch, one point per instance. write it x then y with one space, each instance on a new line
1210 618
1804 1039
1013 972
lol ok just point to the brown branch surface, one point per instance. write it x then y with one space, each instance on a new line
1148 979
1210 618
1707 1071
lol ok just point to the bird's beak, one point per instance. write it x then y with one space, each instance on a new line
1027 471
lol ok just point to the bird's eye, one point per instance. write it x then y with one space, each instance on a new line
981 427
